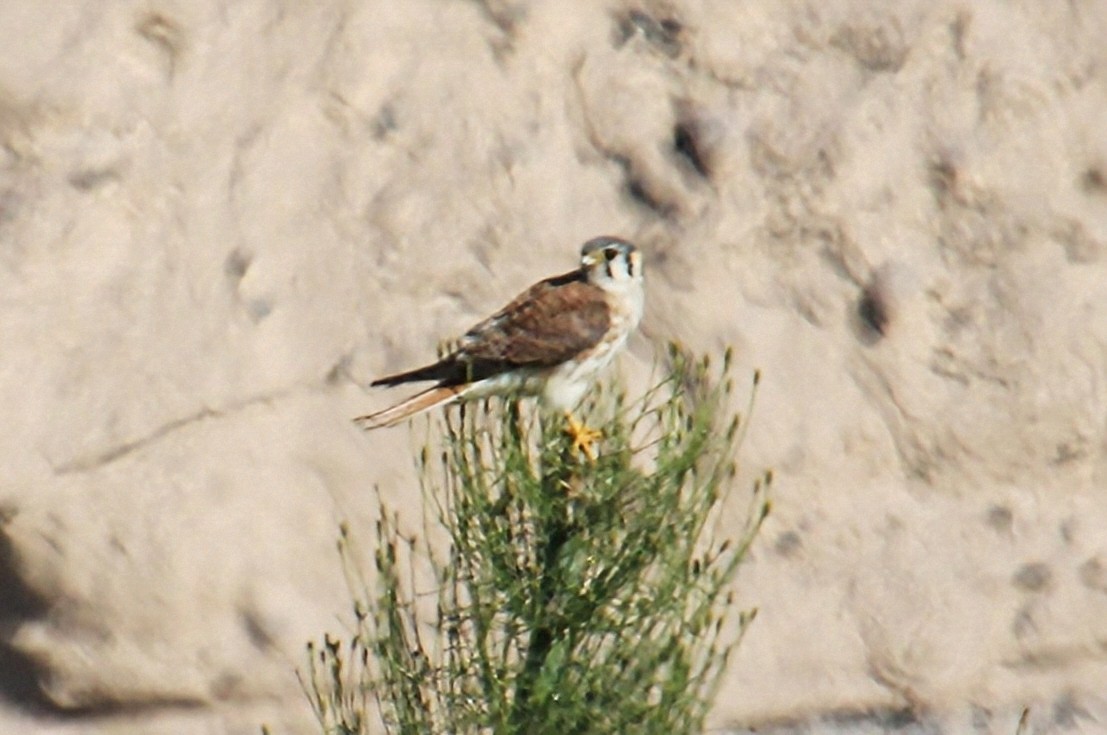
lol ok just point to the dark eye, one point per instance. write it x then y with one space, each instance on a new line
610 255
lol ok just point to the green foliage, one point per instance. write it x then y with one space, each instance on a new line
572 596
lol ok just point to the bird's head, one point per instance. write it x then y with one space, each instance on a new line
609 261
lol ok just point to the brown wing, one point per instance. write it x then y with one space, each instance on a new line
547 324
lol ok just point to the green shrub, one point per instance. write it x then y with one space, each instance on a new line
572 596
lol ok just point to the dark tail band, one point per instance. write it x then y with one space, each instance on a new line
438 371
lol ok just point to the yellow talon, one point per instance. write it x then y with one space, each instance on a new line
582 436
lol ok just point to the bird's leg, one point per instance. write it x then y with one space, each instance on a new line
582 436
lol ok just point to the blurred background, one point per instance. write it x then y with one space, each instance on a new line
220 218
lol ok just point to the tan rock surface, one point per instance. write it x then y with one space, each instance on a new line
215 216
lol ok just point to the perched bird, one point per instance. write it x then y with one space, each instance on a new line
551 341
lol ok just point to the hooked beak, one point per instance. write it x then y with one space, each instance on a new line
592 258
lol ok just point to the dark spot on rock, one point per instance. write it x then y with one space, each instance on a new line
259 309
1093 575
880 719
981 716
1094 181
9 205
873 310
1000 518
639 189
1067 530
958 30
1067 712
505 16
943 179
384 122
686 143
788 544
638 193
19 677
1032 577
92 178
878 46
236 265
663 34
226 686
340 371
17 599
256 630
1065 452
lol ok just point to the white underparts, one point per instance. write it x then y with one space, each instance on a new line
567 384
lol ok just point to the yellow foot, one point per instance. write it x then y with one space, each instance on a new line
582 436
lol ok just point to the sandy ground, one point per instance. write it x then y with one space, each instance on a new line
217 219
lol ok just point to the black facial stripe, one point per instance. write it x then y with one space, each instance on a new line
630 266
607 267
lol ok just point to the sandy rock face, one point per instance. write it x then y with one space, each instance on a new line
217 218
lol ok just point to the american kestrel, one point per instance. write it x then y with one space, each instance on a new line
551 341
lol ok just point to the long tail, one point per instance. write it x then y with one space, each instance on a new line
439 395
439 371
